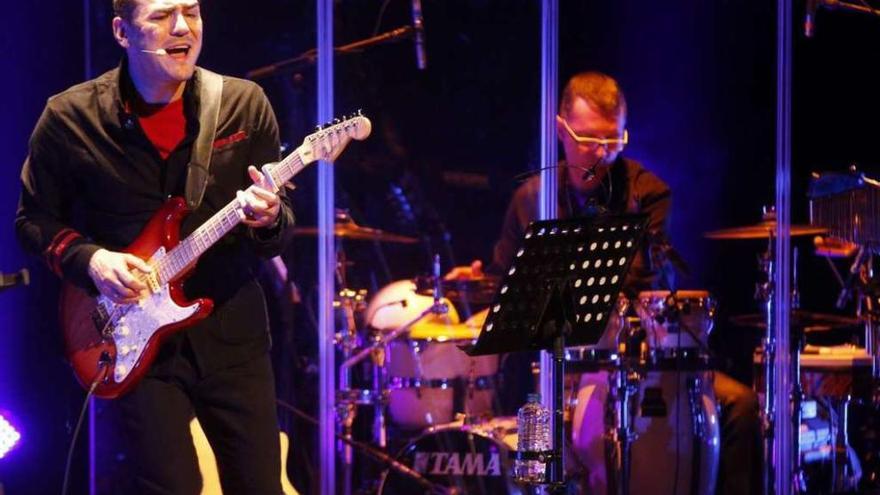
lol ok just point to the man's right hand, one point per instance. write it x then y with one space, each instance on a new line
472 272
117 275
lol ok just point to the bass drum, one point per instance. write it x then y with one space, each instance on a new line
676 427
473 459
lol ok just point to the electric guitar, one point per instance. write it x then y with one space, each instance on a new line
110 346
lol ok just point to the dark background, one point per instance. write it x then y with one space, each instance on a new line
700 83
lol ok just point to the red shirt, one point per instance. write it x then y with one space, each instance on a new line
164 125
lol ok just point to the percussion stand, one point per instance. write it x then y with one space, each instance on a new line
346 408
660 256
861 280
764 296
764 291
347 399
623 387
861 274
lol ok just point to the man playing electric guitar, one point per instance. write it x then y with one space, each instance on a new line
104 157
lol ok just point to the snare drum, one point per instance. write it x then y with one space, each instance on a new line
695 311
428 376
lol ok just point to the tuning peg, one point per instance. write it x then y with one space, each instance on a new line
319 128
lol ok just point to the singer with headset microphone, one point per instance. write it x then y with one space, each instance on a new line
104 156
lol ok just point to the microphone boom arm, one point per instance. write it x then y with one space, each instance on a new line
309 57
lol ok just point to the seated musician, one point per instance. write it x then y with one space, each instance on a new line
596 178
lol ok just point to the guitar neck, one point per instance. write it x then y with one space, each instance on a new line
190 249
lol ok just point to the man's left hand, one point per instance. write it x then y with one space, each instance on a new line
259 205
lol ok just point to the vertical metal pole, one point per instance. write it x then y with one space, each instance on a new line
784 447
326 258
549 203
87 73
87 38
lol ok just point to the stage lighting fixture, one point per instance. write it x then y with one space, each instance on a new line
9 436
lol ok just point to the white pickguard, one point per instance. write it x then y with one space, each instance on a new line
138 323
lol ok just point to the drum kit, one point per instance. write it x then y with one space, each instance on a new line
641 413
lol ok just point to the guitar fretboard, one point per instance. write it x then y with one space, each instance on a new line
190 249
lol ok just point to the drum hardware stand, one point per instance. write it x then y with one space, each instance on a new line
764 291
380 436
346 409
764 296
860 284
845 476
623 387
345 402
799 481
664 258
551 297
347 340
347 399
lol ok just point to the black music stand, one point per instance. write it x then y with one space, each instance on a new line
560 290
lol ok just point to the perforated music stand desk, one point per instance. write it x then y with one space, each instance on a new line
566 271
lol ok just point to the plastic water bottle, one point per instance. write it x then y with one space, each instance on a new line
533 424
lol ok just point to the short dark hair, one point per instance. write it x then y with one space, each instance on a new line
124 8
600 90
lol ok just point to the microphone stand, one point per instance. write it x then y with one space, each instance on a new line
309 57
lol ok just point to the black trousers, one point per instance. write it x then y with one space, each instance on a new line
236 408
741 459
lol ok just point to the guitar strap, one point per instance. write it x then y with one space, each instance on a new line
210 92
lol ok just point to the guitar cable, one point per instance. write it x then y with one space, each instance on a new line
99 377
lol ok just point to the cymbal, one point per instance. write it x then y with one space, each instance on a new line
443 331
353 231
762 230
807 320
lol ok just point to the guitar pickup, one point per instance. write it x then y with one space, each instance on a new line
152 281
100 317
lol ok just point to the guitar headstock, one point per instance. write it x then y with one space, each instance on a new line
329 140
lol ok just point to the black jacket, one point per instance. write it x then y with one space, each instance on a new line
629 188
93 179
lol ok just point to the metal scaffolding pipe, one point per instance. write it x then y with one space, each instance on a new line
784 449
326 259
548 198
